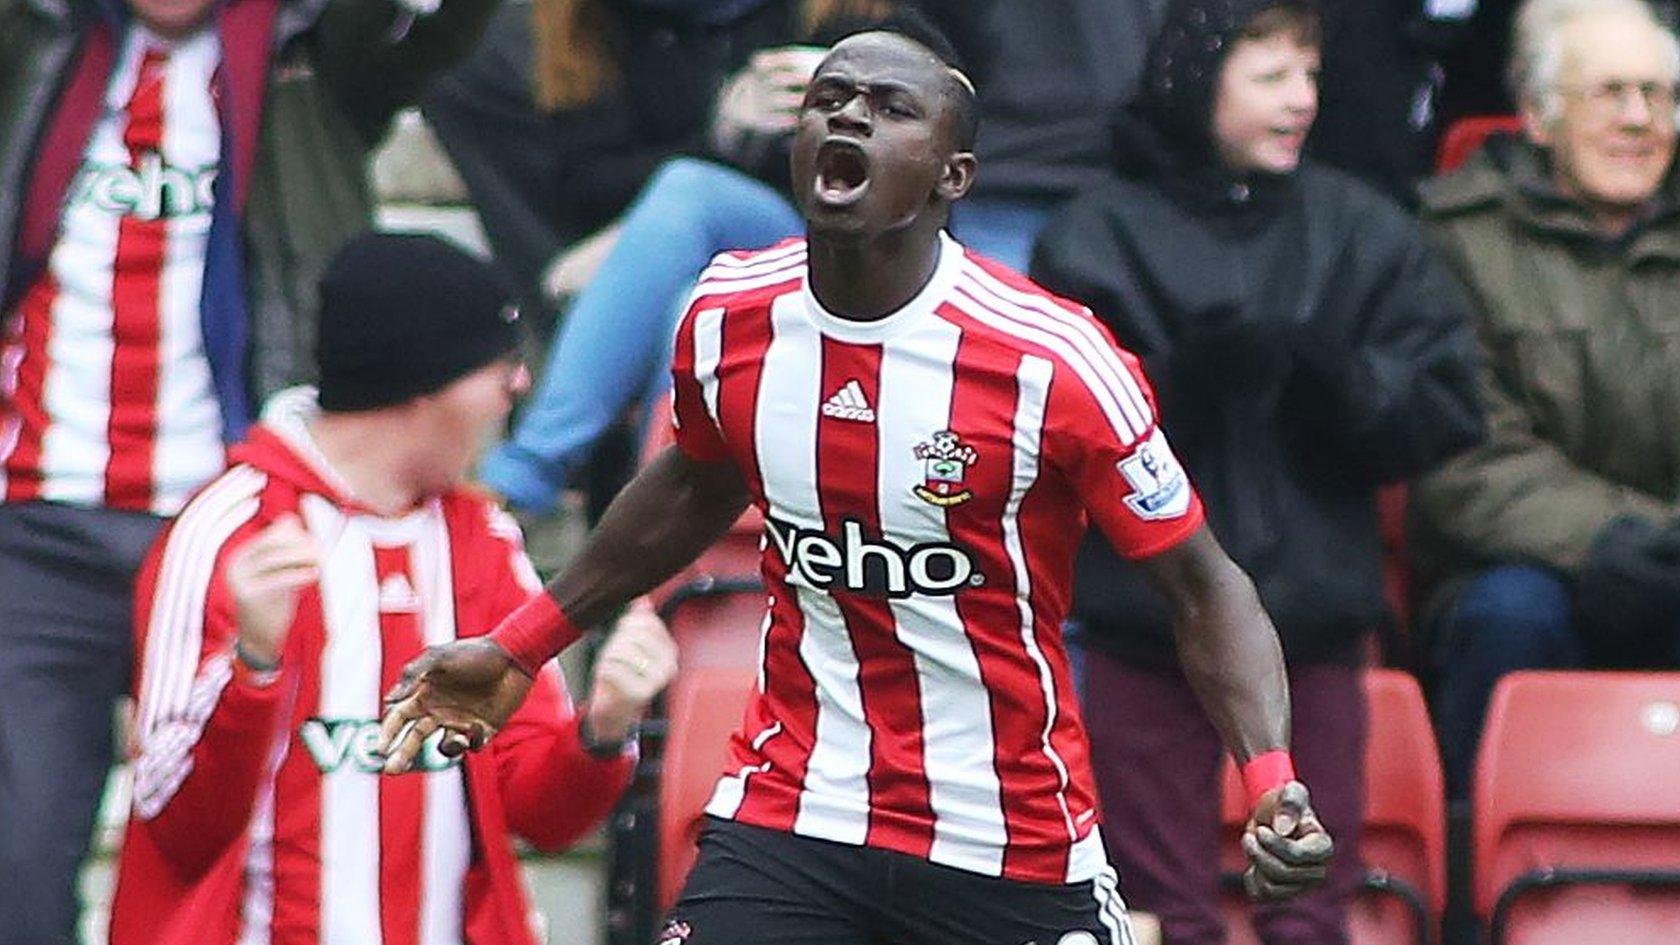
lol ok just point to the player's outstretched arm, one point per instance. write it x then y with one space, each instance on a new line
1232 658
673 510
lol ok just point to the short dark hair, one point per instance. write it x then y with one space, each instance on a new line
917 28
1297 19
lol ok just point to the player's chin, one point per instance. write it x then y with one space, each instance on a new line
836 223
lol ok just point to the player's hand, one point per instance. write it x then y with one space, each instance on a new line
638 661
468 688
1288 849
266 575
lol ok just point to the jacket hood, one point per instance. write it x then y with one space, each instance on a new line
281 446
1166 133
1182 71
1143 150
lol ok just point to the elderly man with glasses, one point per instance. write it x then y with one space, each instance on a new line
1555 544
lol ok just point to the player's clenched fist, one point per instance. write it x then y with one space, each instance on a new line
1288 849
637 662
266 575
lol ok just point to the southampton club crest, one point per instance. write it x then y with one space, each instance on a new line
945 461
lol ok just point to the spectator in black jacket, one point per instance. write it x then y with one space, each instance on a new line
1306 349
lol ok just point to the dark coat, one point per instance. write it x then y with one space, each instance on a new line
1057 71
1306 347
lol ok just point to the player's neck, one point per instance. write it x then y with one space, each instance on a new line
867 280
378 467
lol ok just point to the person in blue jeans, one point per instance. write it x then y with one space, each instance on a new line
1518 616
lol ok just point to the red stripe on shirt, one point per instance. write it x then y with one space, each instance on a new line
772 801
985 383
402 799
848 451
28 398
136 323
297 807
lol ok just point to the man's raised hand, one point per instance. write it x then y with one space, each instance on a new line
1288 849
266 576
468 689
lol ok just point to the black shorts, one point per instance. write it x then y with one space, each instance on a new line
753 886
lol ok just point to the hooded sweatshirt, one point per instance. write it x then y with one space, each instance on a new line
1305 346
259 809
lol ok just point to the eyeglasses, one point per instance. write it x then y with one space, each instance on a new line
1611 96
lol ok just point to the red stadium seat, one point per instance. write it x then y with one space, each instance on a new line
1577 810
1403 844
1467 134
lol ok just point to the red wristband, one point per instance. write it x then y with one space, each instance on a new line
535 633
1265 771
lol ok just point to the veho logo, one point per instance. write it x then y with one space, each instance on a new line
877 567
333 743
154 190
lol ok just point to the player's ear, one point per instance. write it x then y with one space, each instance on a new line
958 177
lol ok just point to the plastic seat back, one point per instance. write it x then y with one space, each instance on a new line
1577 809
1466 135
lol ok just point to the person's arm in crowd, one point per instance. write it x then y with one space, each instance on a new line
549 747
757 107
206 721
1385 373
1517 496
540 757
378 55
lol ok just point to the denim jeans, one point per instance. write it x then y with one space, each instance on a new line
1508 618
66 648
614 344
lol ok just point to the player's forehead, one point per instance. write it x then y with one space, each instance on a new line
882 59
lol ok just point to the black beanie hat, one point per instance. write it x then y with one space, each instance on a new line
404 315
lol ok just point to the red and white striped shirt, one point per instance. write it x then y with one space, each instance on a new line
105 390
260 814
925 479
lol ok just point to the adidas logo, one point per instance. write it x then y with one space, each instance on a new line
848 403
396 595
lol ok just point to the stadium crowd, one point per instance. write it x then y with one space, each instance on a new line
253 458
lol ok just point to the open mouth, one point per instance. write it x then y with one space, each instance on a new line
842 172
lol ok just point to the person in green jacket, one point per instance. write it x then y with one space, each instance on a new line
1554 544
174 176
